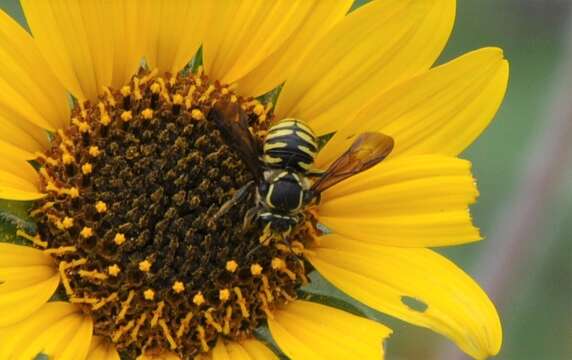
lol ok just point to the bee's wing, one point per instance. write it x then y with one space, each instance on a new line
232 123
366 151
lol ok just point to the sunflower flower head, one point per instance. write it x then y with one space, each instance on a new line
131 226
162 231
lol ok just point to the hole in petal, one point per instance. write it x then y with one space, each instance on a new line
41 356
414 304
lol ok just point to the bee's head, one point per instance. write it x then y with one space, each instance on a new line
281 224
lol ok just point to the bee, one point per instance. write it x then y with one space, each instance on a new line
285 181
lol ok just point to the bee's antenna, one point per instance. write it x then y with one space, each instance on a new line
253 250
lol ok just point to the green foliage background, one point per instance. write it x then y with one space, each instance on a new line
538 318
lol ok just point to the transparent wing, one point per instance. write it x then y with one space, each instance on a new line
366 151
232 123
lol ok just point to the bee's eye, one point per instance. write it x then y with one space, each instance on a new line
263 187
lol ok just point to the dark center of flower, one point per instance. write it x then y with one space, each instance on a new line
133 184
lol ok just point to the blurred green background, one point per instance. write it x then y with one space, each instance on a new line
535 298
535 295
523 166
535 301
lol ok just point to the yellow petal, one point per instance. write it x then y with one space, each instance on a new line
373 48
30 91
22 139
255 349
276 68
58 329
305 330
175 31
87 43
441 111
418 201
18 179
101 349
416 285
250 349
220 352
18 152
28 278
22 169
242 34
128 25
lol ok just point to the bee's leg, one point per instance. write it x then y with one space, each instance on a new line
311 197
253 250
315 172
292 250
266 236
249 217
288 243
236 198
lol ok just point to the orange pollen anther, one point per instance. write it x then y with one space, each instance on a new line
256 269
94 151
125 91
197 114
231 266
199 299
86 168
149 294
114 270
147 114
224 294
67 159
126 116
177 99
145 265
101 207
86 232
258 109
178 287
155 88
278 263
119 239
73 192
67 222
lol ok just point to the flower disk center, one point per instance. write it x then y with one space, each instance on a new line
133 184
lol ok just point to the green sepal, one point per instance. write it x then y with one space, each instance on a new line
15 214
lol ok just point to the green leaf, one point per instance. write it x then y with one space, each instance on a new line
20 209
333 302
323 140
271 96
14 215
358 3
8 234
321 291
263 334
196 62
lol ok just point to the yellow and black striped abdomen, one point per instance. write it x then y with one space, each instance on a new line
290 144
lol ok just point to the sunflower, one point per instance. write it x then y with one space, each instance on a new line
127 172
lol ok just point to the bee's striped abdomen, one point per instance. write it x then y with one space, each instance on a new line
290 144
